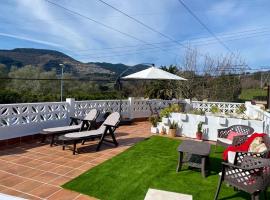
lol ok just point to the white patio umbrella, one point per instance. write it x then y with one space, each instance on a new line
151 73
154 73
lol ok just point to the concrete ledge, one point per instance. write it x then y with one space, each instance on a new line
154 194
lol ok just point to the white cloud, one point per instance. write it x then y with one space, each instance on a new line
45 16
30 39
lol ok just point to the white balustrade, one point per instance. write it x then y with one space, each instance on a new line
29 118
144 108
255 112
224 107
83 107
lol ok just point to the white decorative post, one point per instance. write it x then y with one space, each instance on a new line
71 102
187 105
131 107
248 111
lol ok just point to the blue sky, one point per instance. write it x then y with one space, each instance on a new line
243 25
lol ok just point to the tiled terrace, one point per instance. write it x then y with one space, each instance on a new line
37 171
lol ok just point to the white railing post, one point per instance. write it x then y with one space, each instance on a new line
187 105
71 102
131 107
248 111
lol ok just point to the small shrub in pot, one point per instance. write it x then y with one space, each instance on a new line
172 130
199 133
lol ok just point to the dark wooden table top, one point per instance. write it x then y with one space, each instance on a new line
195 147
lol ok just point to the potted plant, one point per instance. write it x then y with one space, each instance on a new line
154 121
199 133
172 129
176 108
215 110
162 131
164 114
241 110
176 111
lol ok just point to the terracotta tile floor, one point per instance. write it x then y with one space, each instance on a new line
37 171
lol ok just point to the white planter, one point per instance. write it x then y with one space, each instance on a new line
160 127
222 120
201 118
175 116
233 121
154 130
165 120
183 117
257 125
244 122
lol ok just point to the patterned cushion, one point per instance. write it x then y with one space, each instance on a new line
232 134
261 148
255 144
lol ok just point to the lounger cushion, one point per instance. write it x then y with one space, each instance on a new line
97 132
111 120
62 129
225 140
91 115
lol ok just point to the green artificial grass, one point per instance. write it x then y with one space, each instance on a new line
151 164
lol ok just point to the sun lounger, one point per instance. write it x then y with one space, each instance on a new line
107 128
76 124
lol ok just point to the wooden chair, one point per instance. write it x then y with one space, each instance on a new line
239 155
242 130
251 176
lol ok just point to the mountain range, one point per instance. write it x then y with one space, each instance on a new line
51 59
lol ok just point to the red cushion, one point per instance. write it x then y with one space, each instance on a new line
243 147
232 134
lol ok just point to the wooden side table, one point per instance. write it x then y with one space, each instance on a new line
194 154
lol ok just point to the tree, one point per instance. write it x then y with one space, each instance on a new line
164 89
3 74
212 78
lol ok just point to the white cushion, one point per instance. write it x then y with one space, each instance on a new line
62 129
224 140
99 131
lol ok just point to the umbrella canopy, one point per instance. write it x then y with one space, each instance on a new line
153 73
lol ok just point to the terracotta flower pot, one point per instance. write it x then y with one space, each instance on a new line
172 132
199 135
154 130
162 131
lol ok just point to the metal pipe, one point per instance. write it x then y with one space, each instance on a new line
62 72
